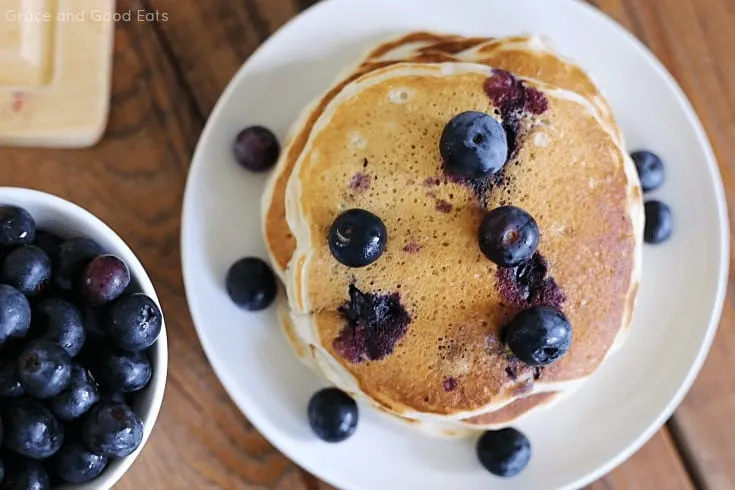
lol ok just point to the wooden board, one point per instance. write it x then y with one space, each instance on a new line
167 77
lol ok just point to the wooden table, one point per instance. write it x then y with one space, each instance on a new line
167 77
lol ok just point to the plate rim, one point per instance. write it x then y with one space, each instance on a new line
258 420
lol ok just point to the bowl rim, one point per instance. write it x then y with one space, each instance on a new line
72 212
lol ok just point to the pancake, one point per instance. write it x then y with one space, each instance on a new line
568 172
509 414
520 54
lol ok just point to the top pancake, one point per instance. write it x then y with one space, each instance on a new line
568 172
527 56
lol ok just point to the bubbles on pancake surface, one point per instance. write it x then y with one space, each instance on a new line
357 238
473 145
504 452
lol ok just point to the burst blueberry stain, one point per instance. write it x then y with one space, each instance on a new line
360 182
412 247
530 284
443 206
375 323
450 384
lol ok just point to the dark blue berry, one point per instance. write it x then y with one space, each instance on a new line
256 148
17 226
251 284
357 238
650 169
44 369
27 269
124 372
78 397
333 415
15 313
49 243
508 236
73 257
10 386
2 471
539 335
30 429
104 280
659 222
25 474
74 463
504 452
473 145
60 322
134 322
113 430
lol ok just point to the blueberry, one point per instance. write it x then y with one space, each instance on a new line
44 369
26 474
256 148
357 238
60 322
10 386
74 463
78 397
73 257
504 452
17 226
15 313
104 280
49 243
93 326
332 415
113 430
539 335
134 322
650 169
31 430
251 284
2 471
473 145
28 269
125 372
659 222
508 236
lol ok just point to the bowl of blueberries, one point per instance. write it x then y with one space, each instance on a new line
83 351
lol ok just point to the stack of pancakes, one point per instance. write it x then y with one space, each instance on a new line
372 142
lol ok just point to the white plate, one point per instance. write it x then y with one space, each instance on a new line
574 442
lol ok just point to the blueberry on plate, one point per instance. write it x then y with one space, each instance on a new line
26 474
539 335
357 238
473 145
659 222
81 394
256 148
17 226
31 430
9 382
28 269
60 322
332 415
112 430
104 279
504 452
125 372
251 284
74 463
508 236
134 322
73 257
15 313
650 169
44 369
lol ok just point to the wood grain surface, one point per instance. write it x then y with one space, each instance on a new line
167 77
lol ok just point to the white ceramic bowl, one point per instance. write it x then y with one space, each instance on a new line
69 220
